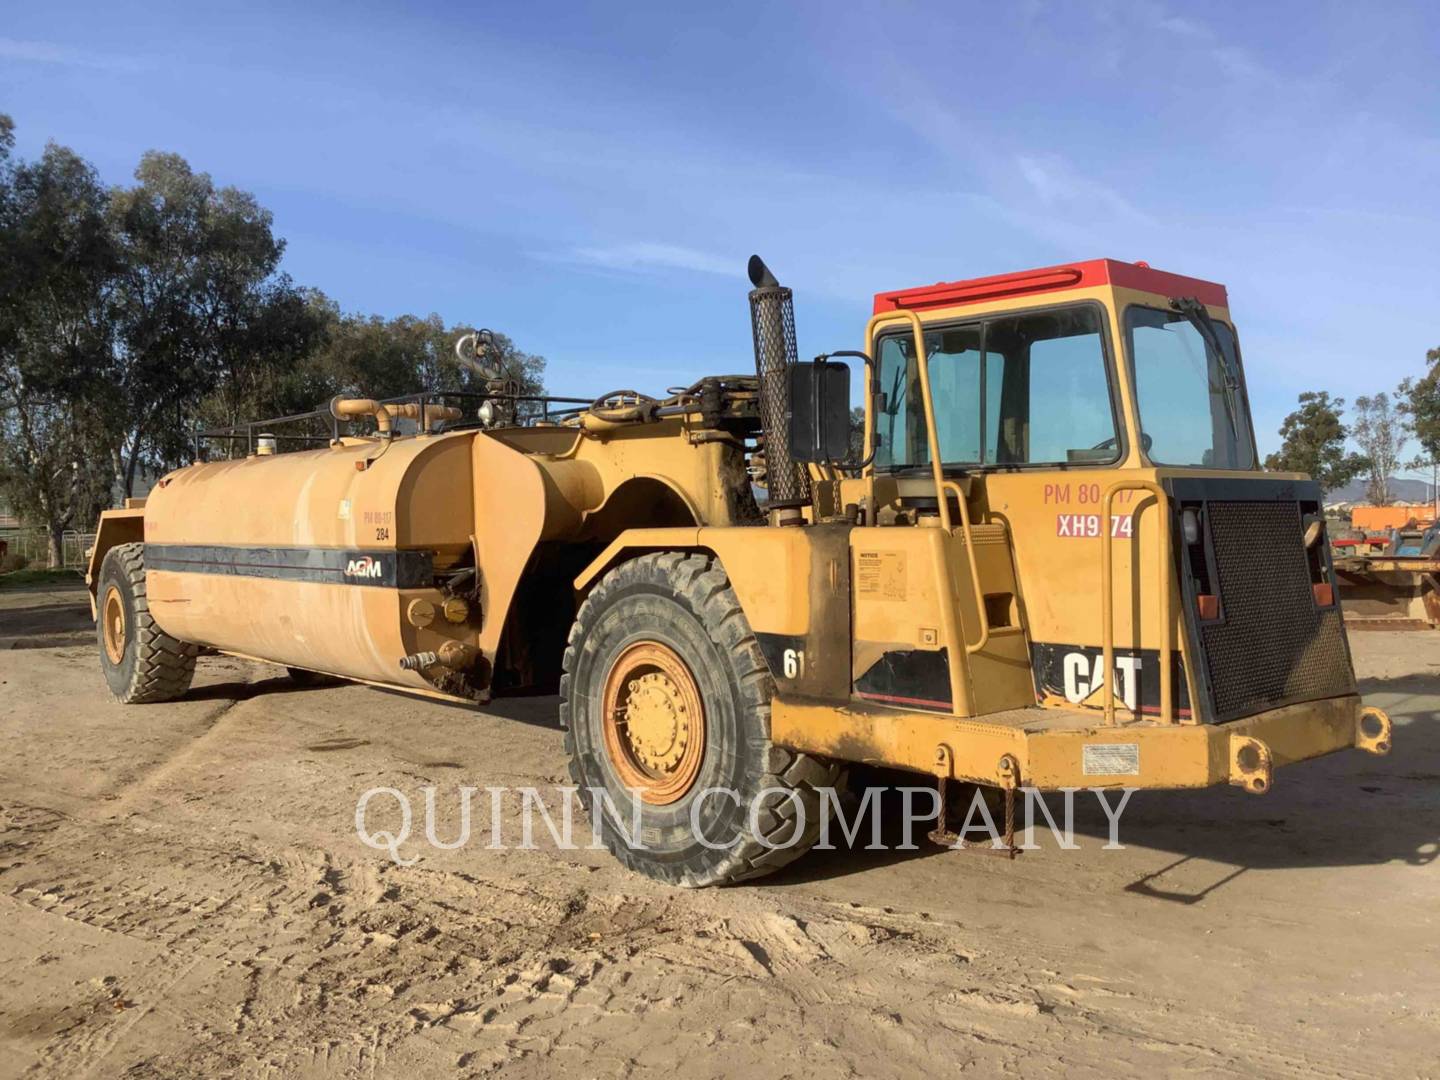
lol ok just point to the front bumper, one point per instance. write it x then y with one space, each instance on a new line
1055 748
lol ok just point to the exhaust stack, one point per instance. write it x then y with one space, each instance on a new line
772 318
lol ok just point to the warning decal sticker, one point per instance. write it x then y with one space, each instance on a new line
1111 759
881 573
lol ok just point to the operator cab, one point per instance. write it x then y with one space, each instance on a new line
1024 372
1080 439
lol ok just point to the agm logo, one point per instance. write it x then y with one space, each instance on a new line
364 567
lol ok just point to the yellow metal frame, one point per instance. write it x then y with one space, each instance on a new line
1048 746
1162 585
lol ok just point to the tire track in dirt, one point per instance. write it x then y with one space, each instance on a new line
155 934
294 962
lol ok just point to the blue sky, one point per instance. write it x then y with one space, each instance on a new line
591 178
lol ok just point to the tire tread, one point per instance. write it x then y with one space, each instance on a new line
702 581
164 666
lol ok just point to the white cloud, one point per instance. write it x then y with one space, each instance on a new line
1240 65
1178 24
1060 186
1138 18
642 256
44 52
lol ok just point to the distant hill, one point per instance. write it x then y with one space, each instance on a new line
1404 491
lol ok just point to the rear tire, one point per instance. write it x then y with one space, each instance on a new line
142 663
680 606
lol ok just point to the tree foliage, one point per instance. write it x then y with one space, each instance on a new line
379 358
203 323
56 259
130 317
1419 402
1380 432
856 440
1313 441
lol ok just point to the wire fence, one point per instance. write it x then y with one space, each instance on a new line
33 547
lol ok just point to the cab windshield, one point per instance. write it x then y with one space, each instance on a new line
1191 399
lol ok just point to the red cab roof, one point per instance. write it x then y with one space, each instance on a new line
1080 275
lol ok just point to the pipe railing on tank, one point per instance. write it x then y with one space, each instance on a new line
420 401
385 414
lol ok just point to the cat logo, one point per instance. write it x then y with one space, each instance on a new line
1085 675
363 567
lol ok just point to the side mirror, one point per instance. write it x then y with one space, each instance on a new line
819 420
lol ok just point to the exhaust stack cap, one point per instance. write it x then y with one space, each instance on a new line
760 275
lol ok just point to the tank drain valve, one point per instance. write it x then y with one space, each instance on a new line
418 661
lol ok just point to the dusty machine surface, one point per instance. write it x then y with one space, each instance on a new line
1054 562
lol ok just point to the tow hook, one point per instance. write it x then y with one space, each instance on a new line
1372 731
1250 764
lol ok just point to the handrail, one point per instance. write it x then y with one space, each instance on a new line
974 569
932 437
1167 627
937 467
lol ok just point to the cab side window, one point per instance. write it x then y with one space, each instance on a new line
1012 390
1049 398
954 360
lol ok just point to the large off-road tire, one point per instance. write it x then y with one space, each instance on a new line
666 693
142 663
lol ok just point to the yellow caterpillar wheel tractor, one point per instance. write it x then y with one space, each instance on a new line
1052 561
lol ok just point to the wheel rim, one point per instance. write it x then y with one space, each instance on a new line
112 622
654 722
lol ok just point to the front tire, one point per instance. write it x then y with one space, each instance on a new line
666 694
142 663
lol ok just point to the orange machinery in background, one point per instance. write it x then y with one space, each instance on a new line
1372 519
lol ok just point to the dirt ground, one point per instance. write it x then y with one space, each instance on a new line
183 893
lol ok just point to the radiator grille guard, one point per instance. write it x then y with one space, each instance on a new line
1273 645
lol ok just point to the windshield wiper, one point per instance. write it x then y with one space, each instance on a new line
1195 313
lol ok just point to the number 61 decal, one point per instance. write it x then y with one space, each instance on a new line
793 663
